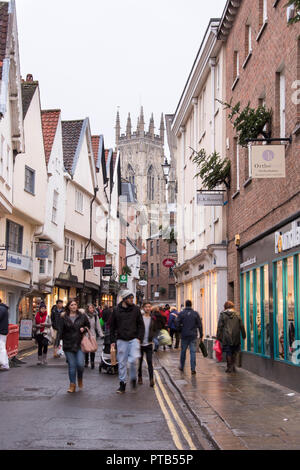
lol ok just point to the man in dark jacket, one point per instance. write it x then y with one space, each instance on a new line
189 322
230 329
127 331
3 333
56 312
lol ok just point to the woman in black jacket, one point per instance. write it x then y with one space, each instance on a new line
71 327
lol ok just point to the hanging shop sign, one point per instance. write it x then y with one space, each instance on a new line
143 283
169 263
107 271
142 272
87 264
206 198
268 161
42 250
99 261
123 279
3 259
286 241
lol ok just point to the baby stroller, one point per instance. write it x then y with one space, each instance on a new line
105 362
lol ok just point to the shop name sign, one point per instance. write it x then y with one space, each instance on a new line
288 240
210 199
268 161
19 262
247 263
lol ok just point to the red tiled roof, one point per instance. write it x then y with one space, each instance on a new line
50 120
4 19
95 145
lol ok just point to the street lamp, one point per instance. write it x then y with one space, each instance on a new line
166 169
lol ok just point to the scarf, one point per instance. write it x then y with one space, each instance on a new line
41 318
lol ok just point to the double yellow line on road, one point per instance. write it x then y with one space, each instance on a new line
172 416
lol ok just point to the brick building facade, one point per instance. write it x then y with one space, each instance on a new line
158 276
262 67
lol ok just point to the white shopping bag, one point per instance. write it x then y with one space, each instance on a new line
60 351
3 353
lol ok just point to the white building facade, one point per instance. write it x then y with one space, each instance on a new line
199 123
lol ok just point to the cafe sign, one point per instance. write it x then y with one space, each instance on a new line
286 241
268 161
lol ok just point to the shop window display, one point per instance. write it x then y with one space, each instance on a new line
287 309
255 310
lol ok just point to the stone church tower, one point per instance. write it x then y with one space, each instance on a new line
141 157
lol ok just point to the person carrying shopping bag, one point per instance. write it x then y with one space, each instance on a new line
127 332
42 329
230 329
72 326
95 330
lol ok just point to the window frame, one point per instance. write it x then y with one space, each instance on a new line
32 171
20 237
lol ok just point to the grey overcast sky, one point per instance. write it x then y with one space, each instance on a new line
95 55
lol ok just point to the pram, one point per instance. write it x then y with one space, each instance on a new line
105 362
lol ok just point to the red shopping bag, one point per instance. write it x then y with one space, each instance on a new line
218 349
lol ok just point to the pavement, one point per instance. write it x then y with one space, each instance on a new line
239 411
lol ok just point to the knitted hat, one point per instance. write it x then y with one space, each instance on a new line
127 293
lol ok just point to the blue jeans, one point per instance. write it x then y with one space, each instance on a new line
128 351
75 364
185 343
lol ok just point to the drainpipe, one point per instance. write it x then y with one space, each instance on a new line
182 130
195 215
212 62
91 230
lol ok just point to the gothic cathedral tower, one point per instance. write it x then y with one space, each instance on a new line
142 156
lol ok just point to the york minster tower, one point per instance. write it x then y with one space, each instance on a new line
141 157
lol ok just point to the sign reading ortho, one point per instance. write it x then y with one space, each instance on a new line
268 161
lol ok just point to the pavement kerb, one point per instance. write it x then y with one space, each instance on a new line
207 431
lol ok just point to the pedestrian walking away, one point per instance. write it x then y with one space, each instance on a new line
230 329
56 311
173 330
42 329
127 331
161 324
151 329
72 325
189 322
4 363
95 330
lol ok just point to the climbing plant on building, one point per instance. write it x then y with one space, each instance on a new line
126 270
213 169
249 123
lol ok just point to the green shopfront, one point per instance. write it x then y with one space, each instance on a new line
270 304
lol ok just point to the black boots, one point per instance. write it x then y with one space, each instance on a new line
122 388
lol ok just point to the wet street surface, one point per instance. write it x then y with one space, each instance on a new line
38 413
